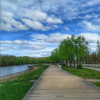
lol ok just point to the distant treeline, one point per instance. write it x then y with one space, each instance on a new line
93 58
6 60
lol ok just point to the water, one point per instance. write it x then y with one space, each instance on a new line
13 69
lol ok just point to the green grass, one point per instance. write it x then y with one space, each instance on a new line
91 67
96 83
17 89
38 65
84 73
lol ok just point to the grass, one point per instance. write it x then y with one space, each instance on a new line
17 89
84 73
32 67
91 67
96 83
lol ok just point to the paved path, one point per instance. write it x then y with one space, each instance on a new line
57 84
97 69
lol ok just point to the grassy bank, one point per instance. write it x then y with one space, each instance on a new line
17 89
96 83
84 73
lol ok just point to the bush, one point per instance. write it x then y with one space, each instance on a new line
62 64
80 66
31 67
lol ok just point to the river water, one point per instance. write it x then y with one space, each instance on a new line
8 70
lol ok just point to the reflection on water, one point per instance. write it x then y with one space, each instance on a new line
13 69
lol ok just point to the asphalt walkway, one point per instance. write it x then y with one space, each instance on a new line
97 69
57 84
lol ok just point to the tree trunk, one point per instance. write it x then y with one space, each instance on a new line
66 62
70 63
74 62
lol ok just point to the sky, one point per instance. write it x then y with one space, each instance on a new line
36 27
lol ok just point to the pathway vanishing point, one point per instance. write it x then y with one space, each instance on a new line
57 84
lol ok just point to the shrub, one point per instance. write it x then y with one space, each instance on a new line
62 64
30 67
80 66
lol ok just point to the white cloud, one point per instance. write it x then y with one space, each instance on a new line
71 18
55 26
89 26
36 46
40 54
90 16
56 37
93 2
97 21
7 27
67 28
36 25
5 4
25 3
91 37
33 24
35 15
87 16
38 36
10 24
15 48
52 38
36 53
18 42
54 20
5 48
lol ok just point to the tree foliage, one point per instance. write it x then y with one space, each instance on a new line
7 60
98 51
71 49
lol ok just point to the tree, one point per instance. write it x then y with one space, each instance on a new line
94 57
71 48
98 51
54 55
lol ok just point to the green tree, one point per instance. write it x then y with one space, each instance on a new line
71 49
98 51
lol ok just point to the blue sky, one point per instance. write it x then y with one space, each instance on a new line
36 27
